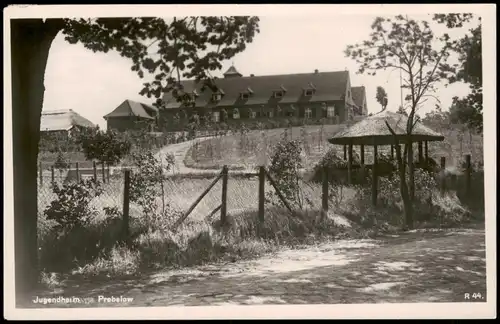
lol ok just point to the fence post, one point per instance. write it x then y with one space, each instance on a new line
223 209
126 201
468 171
426 152
108 173
94 165
325 193
374 176
77 172
420 153
262 187
443 175
41 173
103 173
52 176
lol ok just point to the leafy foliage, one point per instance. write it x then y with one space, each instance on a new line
285 164
410 46
147 186
382 97
61 162
72 206
168 49
105 146
469 108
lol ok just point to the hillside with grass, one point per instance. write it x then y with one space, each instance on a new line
245 151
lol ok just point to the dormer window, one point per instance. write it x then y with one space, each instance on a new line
216 97
244 95
279 94
308 92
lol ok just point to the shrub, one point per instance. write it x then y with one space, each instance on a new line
70 230
337 168
107 146
147 188
429 205
285 164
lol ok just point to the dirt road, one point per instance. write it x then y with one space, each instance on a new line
411 267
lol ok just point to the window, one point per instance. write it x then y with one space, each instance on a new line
244 95
216 97
252 114
308 113
330 112
236 114
278 94
216 116
308 92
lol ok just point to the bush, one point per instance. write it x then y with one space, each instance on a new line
429 206
108 146
147 188
285 164
70 229
337 168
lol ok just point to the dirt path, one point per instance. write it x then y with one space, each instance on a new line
179 152
411 267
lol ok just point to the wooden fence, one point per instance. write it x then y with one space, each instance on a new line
74 171
264 175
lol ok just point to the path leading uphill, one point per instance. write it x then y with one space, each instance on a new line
179 151
410 267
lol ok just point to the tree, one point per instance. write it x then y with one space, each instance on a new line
178 46
469 68
408 45
402 111
104 146
382 97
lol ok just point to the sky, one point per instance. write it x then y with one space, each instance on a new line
93 84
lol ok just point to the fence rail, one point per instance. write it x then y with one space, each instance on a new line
101 172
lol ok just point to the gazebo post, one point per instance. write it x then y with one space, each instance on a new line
374 176
345 152
362 161
420 153
392 152
349 165
426 152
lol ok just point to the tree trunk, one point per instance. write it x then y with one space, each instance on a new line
411 171
30 43
405 196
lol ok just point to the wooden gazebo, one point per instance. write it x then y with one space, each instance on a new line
373 131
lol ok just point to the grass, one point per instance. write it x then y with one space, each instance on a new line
228 149
215 152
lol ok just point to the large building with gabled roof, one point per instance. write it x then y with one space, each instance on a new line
315 96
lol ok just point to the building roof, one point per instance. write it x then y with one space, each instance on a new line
232 72
132 108
58 120
329 86
358 95
372 130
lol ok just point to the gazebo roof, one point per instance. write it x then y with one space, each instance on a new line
373 131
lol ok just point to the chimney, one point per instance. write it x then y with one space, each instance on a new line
316 71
